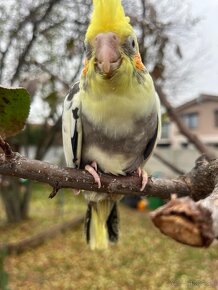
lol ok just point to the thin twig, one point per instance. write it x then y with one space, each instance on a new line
201 147
168 164
6 148
29 45
13 34
54 76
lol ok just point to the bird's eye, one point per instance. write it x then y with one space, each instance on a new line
130 45
133 43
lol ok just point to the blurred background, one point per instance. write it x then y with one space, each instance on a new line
41 49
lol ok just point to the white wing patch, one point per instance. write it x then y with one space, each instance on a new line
72 128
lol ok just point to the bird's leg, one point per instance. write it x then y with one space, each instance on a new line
143 174
92 169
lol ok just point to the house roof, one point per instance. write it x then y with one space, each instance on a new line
199 100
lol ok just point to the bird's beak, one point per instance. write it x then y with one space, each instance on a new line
107 54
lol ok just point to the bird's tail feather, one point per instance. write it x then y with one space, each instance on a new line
101 225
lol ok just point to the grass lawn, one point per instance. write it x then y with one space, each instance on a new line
143 259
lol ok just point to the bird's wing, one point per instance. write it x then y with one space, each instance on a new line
151 143
72 128
156 133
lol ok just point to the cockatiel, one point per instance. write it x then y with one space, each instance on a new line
111 118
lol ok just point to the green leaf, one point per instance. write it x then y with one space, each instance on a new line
14 110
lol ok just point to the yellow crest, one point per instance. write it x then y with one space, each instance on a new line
108 16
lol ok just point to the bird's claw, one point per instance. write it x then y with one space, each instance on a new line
92 169
143 174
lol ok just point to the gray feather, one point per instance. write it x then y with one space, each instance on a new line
136 147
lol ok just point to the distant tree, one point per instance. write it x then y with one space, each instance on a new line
41 48
163 27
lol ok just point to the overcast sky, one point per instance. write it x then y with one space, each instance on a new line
207 80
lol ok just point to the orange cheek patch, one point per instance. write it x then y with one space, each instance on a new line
138 62
85 68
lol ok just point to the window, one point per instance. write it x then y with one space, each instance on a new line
165 130
216 118
191 120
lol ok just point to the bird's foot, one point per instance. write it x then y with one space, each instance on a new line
92 169
143 174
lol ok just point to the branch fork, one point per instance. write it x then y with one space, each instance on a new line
6 148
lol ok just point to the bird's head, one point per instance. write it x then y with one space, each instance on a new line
111 43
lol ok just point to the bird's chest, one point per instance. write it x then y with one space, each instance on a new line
114 133
113 116
114 152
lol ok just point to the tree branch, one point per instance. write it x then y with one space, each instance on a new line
198 183
29 45
201 147
13 34
6 148
78 69
47 139
189 222
211 203
40 238
168 164
58 178
184 220
56 77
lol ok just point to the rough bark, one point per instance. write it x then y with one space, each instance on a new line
211 203
200 184
58 177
